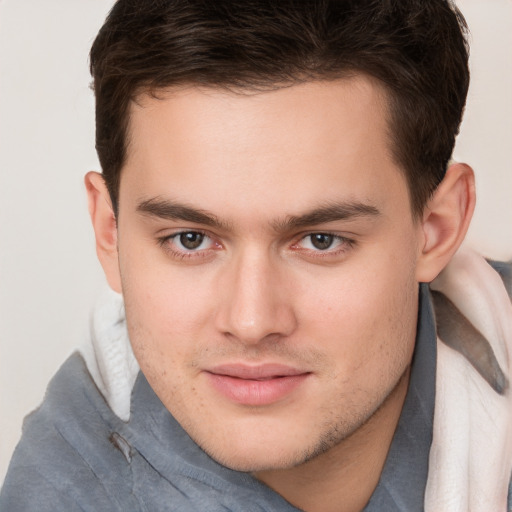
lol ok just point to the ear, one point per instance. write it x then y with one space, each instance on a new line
105 227
446 220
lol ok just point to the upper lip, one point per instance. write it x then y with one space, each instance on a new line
256 372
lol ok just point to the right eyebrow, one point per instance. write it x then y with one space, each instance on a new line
170 210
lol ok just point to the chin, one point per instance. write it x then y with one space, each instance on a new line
270 447
251 453
254 462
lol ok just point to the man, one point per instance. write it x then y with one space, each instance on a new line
275 191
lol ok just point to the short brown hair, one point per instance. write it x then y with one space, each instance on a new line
416 48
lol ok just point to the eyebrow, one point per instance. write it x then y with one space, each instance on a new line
329 213
171 210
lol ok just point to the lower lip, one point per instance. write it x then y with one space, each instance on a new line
256 392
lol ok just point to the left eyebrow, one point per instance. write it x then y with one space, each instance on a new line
330 213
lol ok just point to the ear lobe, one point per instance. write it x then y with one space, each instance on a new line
446 220
105 227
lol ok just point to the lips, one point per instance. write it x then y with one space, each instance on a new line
256 385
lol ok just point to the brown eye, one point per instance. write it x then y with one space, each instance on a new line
191 240
321 241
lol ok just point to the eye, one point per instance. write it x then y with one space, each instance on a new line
191 246
190 240
322 241
185 242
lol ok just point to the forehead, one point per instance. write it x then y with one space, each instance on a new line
317 141
209 115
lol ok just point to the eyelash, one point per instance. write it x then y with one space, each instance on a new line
184 254
345 245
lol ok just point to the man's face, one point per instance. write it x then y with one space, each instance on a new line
267 255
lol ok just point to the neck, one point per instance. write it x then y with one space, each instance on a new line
344 478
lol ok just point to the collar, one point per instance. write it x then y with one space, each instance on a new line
403 480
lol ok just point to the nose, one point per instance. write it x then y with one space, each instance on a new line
256 304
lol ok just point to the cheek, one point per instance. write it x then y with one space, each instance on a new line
165 298
366 314
167 312
164 325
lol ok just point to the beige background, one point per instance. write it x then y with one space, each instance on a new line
49 276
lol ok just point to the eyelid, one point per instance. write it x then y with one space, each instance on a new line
336 235
345 244
167 243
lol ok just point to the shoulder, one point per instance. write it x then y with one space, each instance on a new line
65 458
504 269
75 454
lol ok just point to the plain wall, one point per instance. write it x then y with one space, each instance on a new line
49 276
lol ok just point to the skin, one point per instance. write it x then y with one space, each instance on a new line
258 175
